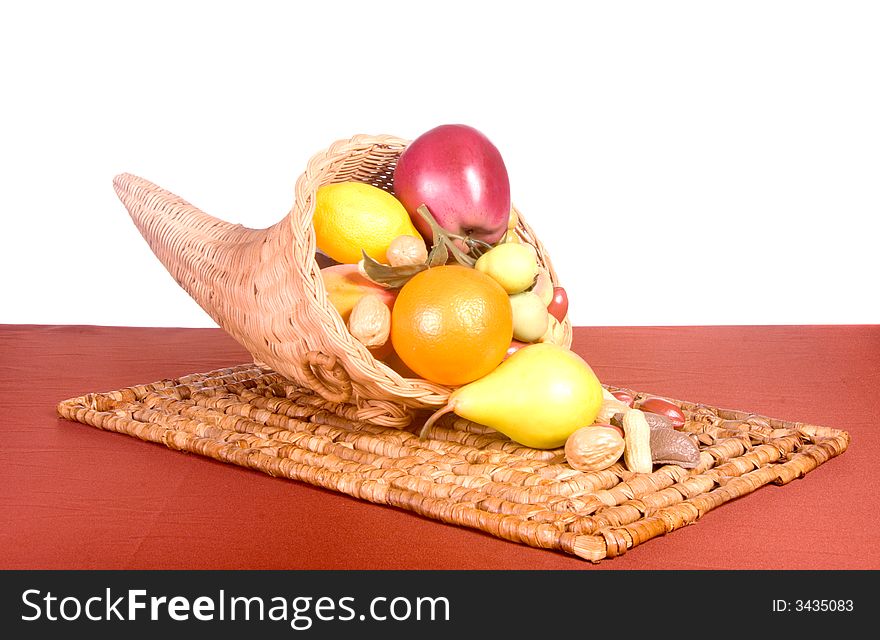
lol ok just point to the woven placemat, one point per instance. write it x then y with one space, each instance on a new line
462 473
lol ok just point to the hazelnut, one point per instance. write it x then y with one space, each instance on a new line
405 250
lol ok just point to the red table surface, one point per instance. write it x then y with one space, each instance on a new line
75 497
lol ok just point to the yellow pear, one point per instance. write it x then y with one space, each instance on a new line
537 397
530 316
513 266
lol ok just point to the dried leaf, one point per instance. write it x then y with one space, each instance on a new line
439 255
393 277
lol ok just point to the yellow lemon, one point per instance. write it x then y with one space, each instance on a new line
350 216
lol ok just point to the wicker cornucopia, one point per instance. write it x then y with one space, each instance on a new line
264 287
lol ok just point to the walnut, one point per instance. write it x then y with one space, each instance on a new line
594 448
370 321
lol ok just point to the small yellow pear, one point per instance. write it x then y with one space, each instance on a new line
513 266
537 397
530 316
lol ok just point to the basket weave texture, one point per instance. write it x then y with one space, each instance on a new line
463 473
265 289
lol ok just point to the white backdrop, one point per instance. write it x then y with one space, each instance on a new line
684 162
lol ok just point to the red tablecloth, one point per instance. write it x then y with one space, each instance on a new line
72 496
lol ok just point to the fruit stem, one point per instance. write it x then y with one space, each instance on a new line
433 418
442 236
478 247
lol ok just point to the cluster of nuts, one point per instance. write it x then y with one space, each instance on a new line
643 436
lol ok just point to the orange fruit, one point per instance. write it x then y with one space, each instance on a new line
451 324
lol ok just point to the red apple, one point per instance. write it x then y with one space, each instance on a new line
460 176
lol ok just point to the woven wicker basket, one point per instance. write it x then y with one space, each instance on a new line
265 289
